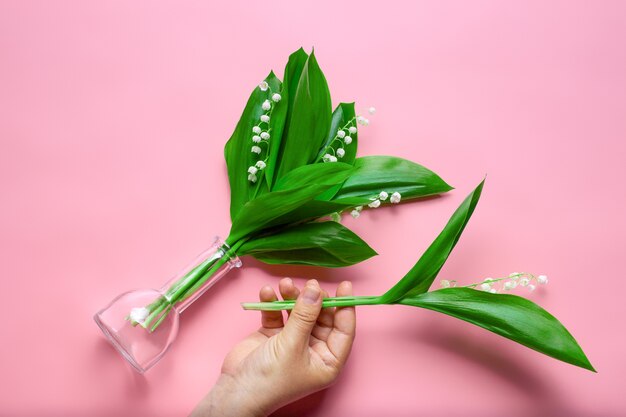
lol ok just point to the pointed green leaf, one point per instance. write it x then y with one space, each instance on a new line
374 174
308 174
326 244
237 150
273 209
513 317
343 117
421 276
309 119
283 110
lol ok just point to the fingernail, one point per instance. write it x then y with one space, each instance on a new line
310 294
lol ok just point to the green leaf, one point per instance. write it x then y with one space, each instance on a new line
308 121
326 244
309 174
387 173
283 110
237 150
422 275
343 114
513 317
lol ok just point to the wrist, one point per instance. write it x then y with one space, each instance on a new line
230 397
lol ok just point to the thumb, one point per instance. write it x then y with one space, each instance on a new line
303 316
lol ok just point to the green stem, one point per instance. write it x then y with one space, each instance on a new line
187 285
326 302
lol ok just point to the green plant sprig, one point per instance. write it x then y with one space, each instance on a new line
283 182
513 317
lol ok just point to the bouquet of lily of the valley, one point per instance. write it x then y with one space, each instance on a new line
293 169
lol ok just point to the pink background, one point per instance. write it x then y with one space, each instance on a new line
113 117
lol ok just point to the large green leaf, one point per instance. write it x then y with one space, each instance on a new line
237 150
308 121
374 174
326 244
283 110
308 174
422 275
343 114
513 317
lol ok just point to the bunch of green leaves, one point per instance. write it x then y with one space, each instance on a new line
511 316
276 218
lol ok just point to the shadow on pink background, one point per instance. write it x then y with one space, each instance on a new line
113 117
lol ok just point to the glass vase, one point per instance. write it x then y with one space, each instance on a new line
142 324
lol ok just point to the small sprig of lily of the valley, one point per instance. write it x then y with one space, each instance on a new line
515 280
292 162
511 316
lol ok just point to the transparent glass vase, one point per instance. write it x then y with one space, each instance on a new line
142 324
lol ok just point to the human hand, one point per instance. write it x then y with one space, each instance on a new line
282 362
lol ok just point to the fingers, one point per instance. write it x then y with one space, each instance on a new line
304 316
288 290
270 319
344 326
324 322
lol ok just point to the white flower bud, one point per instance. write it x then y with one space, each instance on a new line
383 195
252 170
360 120
531 287
542 279
358 208
276 97
265 135
374 204
256 130
139 314
352 130
266 105
445 283
372 110
264 86
256 138
341 134
395 198
251 177
493 291
347 140
508 286
485 286
265 118
261 164
524 282
326 157
332 158
355 213
341 152
256 150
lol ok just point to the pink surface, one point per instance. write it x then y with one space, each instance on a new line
113 116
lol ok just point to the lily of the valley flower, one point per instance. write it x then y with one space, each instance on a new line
395 198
